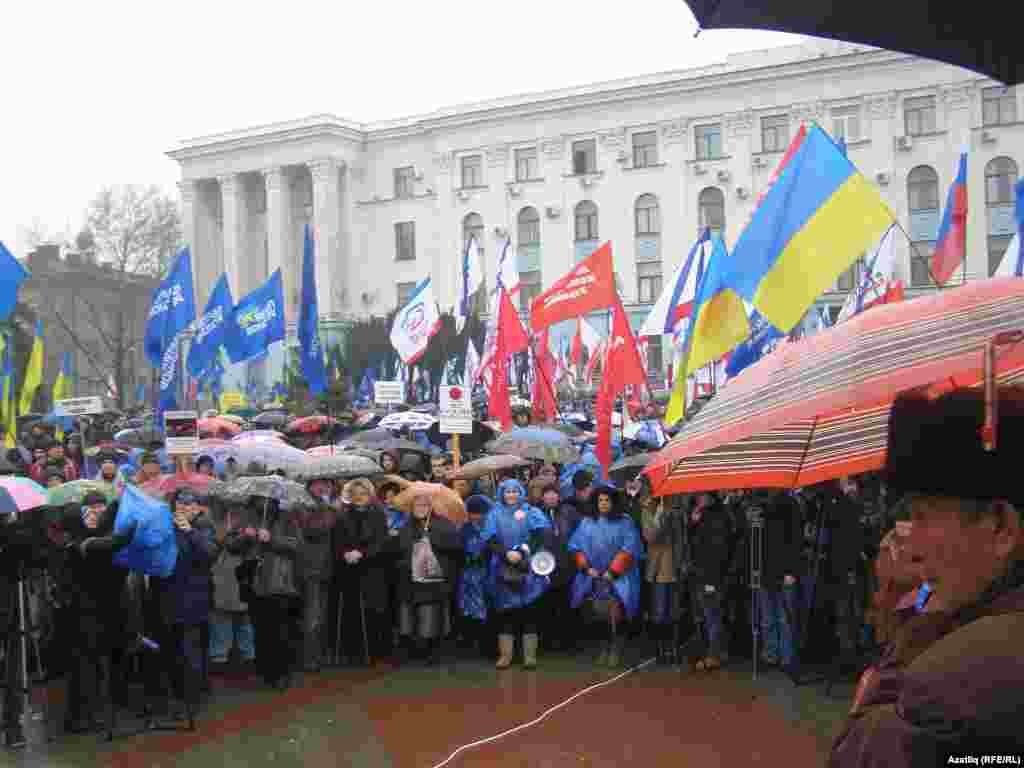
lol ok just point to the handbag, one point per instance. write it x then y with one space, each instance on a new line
601 601
513 576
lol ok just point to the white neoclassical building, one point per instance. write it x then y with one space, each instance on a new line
644 162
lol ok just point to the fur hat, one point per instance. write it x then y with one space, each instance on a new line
935 446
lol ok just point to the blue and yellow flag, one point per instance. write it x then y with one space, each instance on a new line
817 219
718 323
61 390
33 371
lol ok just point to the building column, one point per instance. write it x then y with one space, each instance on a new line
187 193
278 243
278 237
325 221
232 195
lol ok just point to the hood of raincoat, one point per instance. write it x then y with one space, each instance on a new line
507 485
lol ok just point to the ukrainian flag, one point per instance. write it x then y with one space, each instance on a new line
10 414
61 389
717 324
33 371
817 219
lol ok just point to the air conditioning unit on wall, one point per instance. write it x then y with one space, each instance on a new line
988 137
742 193
463 195
552 211
699 169
724 177
759 161
904 143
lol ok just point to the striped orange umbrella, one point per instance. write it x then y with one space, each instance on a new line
819 408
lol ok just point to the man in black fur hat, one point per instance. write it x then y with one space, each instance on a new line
951 685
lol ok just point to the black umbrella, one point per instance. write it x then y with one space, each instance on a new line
943 31
467 443
627 469
272 420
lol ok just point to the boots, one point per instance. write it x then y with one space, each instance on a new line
615 652
530 643
506 647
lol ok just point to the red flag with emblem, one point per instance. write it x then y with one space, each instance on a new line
588 286
622 367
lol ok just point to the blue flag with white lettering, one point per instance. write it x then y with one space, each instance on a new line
170 375
211 328
172 310
12 275
257 321
312 355
762 340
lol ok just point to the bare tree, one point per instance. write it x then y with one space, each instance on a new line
135 231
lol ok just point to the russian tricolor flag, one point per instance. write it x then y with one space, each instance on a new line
951 246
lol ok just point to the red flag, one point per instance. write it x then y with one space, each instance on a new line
622 368
545 408
510 339
588 286
893 293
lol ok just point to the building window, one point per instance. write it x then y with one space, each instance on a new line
846 124
404 178
586 221
919 115
996 251
998 106
405 241
654 362
472 171
920 263
473 226
1001 208
709 141
645 149
923 189
528 256
648 281
1000 180
529 288
584 156
648 219
711 210
848 279
404 291
526 164
774 133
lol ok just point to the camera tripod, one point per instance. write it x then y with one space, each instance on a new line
17 684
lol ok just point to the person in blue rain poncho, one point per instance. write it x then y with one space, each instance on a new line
472 592
514 531
606 548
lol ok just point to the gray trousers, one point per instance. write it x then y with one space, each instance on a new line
427 621
315 611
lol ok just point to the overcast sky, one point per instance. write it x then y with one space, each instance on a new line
95 93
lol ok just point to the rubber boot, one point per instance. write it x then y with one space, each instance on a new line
606 649
506 647
615 652
530 643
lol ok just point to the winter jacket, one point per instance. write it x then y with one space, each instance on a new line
782 537
365 530
710 539
280 570
950 685
563 524
447 547
184 596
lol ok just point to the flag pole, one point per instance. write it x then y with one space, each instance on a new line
544 376
917 255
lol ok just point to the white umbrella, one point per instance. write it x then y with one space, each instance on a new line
413 420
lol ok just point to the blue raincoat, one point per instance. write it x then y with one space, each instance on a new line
472 595
600 540
502 526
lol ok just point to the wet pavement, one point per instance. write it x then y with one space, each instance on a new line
415 717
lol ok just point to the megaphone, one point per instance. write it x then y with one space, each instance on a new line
543 563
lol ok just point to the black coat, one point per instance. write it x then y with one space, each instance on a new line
711 541
365 530
446 543
563 524
184 596
92 587
782 539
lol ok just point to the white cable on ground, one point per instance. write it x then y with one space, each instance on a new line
542 716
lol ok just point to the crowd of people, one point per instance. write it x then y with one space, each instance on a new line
357 579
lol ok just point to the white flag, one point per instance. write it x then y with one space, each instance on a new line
881 265
1008 266
415 324
508 273
470 280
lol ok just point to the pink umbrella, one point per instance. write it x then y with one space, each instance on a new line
27 494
